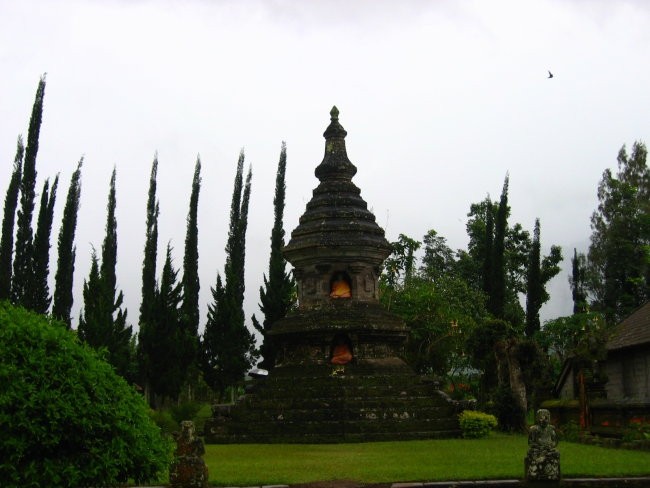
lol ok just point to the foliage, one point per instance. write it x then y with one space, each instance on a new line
23 271
476 425
66 418
570 431
228 347
63 298
39 293
507 410
191 285
102 323
582 336
619 259
277 294
150 251
578 282
8 220
540 272
167 346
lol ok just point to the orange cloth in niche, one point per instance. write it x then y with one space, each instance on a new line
341 354
340 289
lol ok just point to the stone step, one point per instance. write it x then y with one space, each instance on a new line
346 413
321 438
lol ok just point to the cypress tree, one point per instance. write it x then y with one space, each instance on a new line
234 355
39 291
8 220
496 301
23 259
165 339
147 334
577 281
534 287
63 279
150 249
276 294
103 322
488 272
191 285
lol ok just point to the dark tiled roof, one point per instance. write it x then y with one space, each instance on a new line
632 331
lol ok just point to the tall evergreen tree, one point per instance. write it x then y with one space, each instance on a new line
164 340
277 292
23 259
619 260
39 291
235 354
191 285
147 338
63 279
103 322
496 300
577 280
8 220
488 257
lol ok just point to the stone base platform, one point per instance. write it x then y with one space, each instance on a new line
372 400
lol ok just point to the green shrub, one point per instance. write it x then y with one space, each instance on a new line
164 420
476 424
570 431
509 414
66 418
185 411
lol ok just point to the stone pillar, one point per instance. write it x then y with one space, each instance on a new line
188 470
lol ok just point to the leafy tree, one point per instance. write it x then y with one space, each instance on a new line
619 259
276 296
23 259
224 363
438 260
63 297
39 293
439 306
73 421
540 271
103 322
191 285
8 220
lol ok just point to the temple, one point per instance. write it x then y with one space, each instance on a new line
339 372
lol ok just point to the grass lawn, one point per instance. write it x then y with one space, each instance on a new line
499 456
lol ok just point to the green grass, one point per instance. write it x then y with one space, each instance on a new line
497 457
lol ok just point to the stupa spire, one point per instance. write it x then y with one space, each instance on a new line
335 163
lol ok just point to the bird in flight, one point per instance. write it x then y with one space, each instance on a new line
550 75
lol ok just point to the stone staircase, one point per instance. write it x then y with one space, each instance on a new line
318 404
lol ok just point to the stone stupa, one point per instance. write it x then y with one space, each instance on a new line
339 373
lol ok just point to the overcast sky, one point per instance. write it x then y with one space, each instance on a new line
441 99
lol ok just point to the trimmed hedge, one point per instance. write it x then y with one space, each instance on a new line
66 418
476 424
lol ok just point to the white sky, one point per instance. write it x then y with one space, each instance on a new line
440 99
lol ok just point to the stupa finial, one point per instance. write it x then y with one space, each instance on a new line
334 113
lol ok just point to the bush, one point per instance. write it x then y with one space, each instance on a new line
66 418
476 424
510 416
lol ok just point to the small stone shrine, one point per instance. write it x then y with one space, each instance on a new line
188 469
339 375
542 462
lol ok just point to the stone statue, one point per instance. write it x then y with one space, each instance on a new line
542 462
188 470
